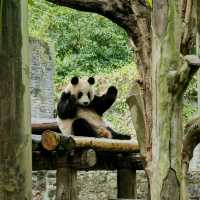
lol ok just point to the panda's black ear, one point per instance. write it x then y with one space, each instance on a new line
74 80
91 81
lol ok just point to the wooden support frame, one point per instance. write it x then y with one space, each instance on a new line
52 150
66 184
126 183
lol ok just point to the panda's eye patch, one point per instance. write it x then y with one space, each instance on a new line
80 94
89 96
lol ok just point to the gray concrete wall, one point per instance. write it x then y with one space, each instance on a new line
41 73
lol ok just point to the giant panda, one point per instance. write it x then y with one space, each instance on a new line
80 111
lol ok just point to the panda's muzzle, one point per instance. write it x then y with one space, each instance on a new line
86 103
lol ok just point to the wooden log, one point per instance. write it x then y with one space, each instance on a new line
66 184
104 160
84 159
51 140
126 183
99 144
36 142
41 125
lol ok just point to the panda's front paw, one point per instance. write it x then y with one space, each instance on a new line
65 96
103 132
72 100
112 90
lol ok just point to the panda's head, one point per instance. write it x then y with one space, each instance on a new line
82 89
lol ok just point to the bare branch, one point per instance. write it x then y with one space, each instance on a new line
119 11
189 22
191 139
179 80
136 107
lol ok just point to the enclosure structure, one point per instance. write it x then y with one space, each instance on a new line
164 77
67 155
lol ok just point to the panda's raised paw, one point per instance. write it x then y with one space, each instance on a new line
103 132
112 90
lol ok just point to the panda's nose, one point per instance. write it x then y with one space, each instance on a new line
85 103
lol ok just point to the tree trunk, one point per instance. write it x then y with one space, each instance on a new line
164 170
15 127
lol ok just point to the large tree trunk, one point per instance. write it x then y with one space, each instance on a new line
170 74
15 127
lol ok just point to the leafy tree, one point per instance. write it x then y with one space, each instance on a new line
82 41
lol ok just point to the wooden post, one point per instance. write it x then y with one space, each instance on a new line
66 184
15 126
126 183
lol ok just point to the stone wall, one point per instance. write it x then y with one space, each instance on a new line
41 73
98 185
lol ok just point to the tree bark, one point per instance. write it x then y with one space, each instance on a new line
15 137
164 170
170 77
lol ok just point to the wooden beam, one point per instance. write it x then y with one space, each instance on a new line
53 160
66 184
41 125
85 160
126 183
100 144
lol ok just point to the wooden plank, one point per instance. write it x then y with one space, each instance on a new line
41 125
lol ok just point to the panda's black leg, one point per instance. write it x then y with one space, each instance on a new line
82 128
119 136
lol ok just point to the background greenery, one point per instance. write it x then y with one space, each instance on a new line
86 45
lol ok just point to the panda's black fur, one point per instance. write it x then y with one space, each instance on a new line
80 111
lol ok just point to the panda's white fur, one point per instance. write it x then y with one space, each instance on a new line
95 120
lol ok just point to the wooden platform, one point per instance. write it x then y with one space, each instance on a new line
53 151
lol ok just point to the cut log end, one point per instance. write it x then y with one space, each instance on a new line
89 158
50 141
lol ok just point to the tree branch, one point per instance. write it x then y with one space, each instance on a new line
179 80
119 11
191 139
135 103
134 16
189 22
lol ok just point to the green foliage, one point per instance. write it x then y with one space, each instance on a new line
30 2
190 100
84 42
150 3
